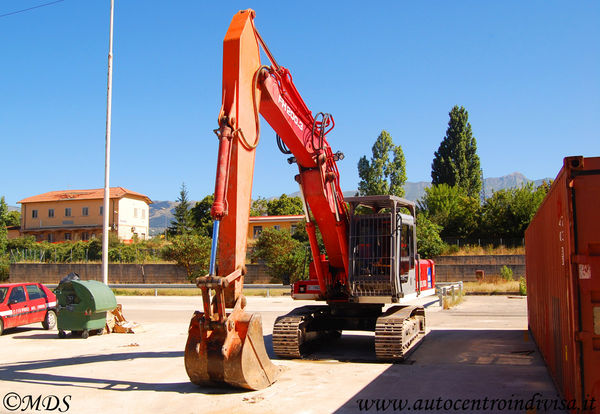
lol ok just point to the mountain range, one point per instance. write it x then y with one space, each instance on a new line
161 212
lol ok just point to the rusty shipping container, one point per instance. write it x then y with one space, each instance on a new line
562 246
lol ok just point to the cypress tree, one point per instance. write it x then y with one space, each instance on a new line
456 162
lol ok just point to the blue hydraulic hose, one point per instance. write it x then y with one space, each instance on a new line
213 247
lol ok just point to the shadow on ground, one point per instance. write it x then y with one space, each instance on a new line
460 365
25 372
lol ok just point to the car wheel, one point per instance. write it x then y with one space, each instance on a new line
50 320
1 326
100 331
85 334
62 334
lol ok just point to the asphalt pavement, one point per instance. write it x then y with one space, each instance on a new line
475 355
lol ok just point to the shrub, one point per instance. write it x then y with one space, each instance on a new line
506 273
4 268
284 256
190 251
522 286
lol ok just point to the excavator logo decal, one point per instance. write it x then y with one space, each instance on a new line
291 113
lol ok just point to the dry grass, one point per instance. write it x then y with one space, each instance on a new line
492 286
482 251
195 292
450 302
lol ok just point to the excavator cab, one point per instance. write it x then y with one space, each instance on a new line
382 246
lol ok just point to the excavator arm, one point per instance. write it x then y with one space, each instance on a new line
227 346
249 89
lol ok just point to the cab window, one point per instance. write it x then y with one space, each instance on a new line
17 295
34 292
3 291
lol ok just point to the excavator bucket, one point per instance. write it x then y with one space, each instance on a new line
231 353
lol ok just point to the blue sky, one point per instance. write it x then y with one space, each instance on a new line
527 72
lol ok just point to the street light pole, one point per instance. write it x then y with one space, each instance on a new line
105 210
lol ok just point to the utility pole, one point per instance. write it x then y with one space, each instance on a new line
105 210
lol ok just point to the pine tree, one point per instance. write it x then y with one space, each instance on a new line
456 161
182 221
382 175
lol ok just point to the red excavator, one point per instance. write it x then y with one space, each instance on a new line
370 242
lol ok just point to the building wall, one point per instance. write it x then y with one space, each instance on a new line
134 218
455 268
13 233
285 226
128 213
60 224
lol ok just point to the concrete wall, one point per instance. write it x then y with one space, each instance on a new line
448 268
117 273
454 268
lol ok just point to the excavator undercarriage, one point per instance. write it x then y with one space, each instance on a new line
397 330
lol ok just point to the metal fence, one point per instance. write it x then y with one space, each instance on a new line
75 254
484 242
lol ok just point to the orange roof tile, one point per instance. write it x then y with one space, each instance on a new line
98 193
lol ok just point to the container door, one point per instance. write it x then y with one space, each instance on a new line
585 196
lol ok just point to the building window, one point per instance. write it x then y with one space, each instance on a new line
68 212
101 210
277 227
257 230
135 212
85 236
85 211
67 236
33 213
143 213
50 212
51 237
293 229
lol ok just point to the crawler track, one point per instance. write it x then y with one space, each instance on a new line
398 331
290 335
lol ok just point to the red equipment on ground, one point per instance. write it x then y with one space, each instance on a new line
371 258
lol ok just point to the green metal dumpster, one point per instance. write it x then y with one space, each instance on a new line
82 306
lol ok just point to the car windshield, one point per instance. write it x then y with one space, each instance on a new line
3 291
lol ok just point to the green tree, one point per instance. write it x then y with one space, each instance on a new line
284 257
429 242
13 218
190 251
202 221
284 206
182 221
259 207
3 224
456 162
301 235
385 173
452 209
508 212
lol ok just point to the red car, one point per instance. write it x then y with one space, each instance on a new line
25 303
